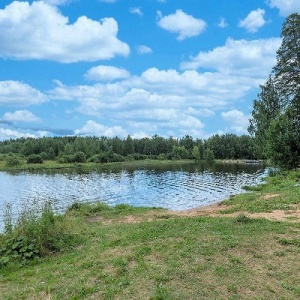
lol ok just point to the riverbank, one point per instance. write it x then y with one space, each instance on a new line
226 251
55 165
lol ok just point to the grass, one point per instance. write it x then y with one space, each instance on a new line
281 191
20 163
145 253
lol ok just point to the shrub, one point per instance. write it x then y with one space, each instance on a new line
12 161
35 234
34 159
79 157
87 209
66 159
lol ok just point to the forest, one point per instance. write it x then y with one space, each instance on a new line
75 149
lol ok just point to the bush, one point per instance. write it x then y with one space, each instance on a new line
34 159
12 161
79 157
88 209
66 159
35 234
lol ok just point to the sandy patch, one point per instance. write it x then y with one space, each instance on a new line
216 209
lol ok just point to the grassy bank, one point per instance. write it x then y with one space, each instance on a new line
141 253
52 164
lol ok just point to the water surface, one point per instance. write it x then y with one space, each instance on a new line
176 187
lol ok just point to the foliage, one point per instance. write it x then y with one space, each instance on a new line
79 157
209 155
34 159
35 234
196 153
265 108
286 70
19 249
275 119
283 141
105 150
12 160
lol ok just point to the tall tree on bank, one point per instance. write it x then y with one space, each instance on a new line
265 109
287 69
275 119
285 129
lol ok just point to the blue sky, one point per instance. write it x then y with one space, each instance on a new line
117 67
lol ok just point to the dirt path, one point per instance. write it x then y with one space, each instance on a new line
216 209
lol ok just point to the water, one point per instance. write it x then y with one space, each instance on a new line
169 186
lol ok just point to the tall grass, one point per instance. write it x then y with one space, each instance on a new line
35 234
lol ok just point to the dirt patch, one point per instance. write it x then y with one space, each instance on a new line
216 209
269 196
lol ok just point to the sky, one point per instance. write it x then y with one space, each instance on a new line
139 68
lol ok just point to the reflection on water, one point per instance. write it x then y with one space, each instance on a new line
171 186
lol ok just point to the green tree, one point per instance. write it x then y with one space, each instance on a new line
283 140
287 68
196 153
208 155
128 146
265 108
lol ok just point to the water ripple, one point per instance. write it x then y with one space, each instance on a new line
177 189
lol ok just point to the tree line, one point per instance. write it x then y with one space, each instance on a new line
275 122
68 149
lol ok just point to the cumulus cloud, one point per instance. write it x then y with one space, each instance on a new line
106 73
136 11
95 129
142 49
6 134
15 93
253 21
238 121
108 1
286 7
239 57
222 23
39 31
21 116
184 25
172 102
57 2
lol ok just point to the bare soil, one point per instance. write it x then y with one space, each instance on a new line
215 210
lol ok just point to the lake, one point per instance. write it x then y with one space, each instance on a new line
173 186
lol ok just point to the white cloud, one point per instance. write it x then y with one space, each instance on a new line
6 134
95 129
106 73
286 7
15 93
254 59
184 25
223 23
57 2
142 49
136 10
21 116
40 31
238 121
108 1
254 20
173 102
